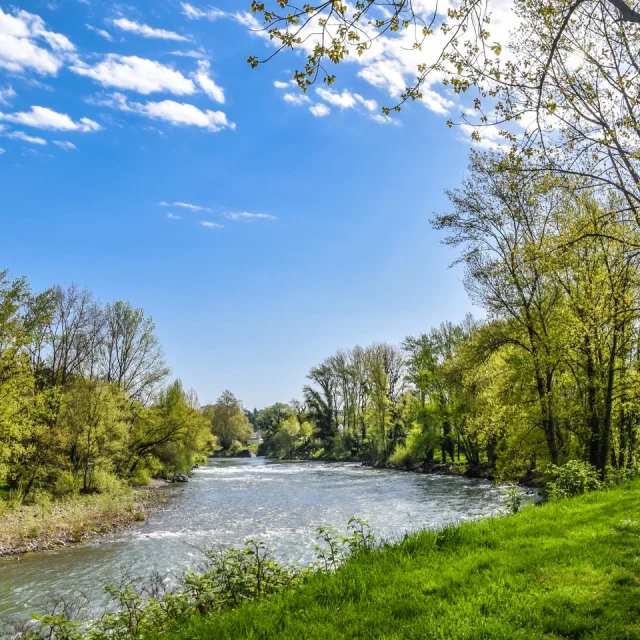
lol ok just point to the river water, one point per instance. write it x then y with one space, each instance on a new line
228 501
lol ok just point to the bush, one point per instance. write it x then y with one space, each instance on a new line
615 476
403 457
233 576
106 482
512 500
572 479
141 478
65 485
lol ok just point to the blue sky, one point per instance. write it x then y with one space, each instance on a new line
308 228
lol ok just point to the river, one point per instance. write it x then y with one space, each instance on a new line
228 501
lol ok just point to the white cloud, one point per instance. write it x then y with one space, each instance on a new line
370 105
136 74
184 205
26 44
173 216
297 99
211 13
148 32
320 110
1 151
180 113
192 53
21 135
203 78
278 84
101 32
63 144
36 26
382 119
489 138
392 63
43 118
344 100
211 225
6 95
248 217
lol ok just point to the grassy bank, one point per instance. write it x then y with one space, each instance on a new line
42 527
565 570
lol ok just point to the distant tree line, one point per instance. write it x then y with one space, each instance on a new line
551 374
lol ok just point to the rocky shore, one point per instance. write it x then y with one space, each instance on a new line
43 528
483 471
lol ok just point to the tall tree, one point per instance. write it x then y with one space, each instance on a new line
133 357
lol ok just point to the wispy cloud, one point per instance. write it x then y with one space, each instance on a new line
63 144
382 119
44 118
184 205
203 79
210 13
346 99
248 217
176 113
135 74
211 225
297 99
6 95
21 135
146 31
26 44
101 32
192 53
245 18
320 110
173 216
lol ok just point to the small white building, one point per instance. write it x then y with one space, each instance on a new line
256 438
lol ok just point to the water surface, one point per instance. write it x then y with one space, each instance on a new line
228 501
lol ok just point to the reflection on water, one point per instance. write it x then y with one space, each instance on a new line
228 501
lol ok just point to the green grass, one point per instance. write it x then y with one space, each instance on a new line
40 527
564 570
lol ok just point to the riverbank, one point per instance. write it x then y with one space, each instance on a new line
482 471
563 570
77 519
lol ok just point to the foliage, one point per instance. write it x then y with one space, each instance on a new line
499 579
228 420
82 409
572 479
233 577
513 500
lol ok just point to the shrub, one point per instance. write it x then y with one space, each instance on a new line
572 479
513 500
403 456
141 477
233 576
65 484
108 483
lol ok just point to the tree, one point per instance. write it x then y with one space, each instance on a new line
74 335
503 221
133 356
228 421
17 385
563 87
321 401
93 416
269 419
